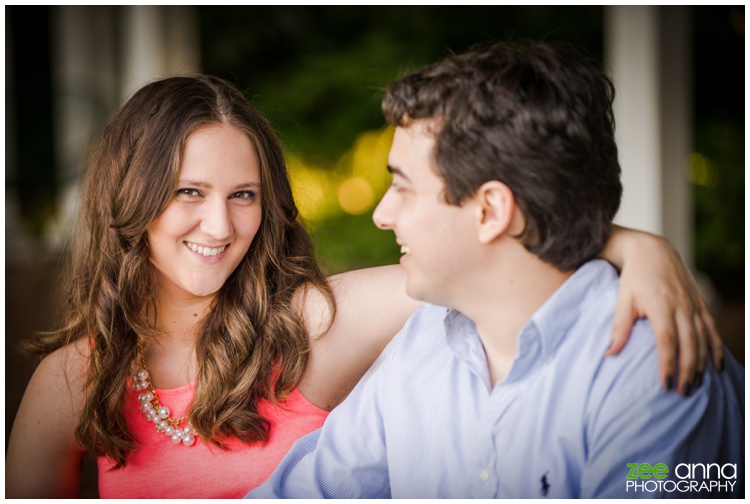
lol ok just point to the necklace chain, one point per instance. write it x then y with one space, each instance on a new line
154 411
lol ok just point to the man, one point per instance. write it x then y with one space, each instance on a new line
505 182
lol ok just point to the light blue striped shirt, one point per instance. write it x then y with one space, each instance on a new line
566 422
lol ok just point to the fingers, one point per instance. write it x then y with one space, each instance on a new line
688 338
621 326
666 348
714 340
701 350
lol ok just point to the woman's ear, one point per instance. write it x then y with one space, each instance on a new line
497 206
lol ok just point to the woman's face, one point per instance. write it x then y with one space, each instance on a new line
204 232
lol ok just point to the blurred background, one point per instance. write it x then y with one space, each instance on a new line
318 73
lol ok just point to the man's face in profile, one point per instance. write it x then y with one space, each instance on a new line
435 237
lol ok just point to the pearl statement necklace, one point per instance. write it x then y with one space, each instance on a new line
157 413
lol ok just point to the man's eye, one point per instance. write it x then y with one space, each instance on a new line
399 189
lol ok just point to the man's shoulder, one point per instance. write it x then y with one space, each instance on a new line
425 327
590 309
425 323
576 323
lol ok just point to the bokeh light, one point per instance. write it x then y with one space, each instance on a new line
352 185
355 196
701 171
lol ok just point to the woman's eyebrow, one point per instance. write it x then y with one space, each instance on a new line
206 185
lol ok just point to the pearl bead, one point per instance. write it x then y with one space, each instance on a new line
160 417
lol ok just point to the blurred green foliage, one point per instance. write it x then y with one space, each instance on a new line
719 239
318 73
719 206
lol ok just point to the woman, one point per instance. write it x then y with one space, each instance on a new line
201 338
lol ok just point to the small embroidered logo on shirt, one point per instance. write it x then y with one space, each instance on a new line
545 485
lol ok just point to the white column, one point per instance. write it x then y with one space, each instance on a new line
84 94
648 52
631 42
144 51
158 41
677 128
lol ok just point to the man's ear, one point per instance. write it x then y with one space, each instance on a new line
497 205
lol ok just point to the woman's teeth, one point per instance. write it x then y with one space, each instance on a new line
206 251
404 249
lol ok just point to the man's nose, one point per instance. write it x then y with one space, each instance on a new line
383 214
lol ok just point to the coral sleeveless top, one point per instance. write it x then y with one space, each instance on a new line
158 468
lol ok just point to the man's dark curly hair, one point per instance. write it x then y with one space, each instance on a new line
536 117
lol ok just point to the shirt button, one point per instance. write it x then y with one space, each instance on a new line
484 475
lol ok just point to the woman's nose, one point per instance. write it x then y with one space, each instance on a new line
216 220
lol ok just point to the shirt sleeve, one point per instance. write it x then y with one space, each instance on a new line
633 420
346 458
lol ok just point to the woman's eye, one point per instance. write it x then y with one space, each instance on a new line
188 192
244 195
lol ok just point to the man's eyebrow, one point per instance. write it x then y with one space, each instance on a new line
397 171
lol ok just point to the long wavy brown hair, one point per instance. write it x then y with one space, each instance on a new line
253 344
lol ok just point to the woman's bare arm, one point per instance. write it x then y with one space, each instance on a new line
372 306
44 459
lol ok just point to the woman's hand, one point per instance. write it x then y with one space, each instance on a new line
654 283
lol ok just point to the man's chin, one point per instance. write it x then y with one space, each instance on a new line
417 294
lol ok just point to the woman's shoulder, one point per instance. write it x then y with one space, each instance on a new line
44 457
70 358
314 308
64 371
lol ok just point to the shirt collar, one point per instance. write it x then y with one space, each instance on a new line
550 323
462 338
560 312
